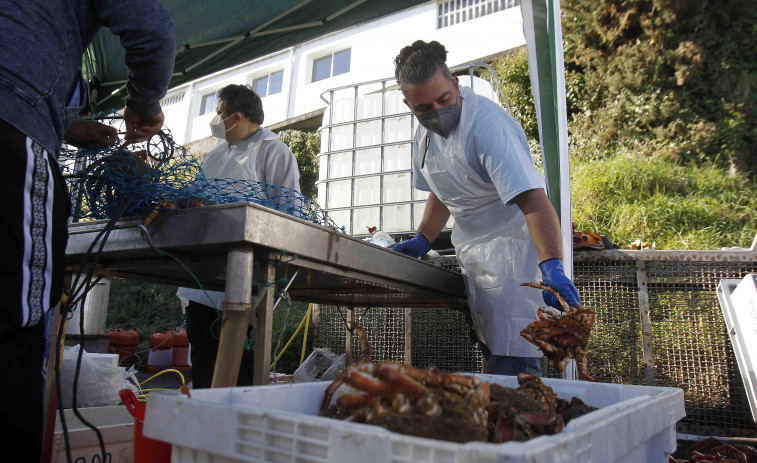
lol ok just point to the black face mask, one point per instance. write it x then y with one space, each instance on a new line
444 120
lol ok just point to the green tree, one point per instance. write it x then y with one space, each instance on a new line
305 146
512 71
676 76
661 113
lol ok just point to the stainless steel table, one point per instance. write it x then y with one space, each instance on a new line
242 248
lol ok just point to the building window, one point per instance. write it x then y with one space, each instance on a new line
269 84
452 12
331 65
209 103
169 100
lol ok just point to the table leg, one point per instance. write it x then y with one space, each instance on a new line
263 330
50 404
237 307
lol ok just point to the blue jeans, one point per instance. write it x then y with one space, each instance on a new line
506 365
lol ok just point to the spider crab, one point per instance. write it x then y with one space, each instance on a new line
562 336
427 402
422 402
523 413
715 451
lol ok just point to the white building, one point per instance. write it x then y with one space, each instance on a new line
365 178
295 78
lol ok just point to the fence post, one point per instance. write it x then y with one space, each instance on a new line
646 323
316 322
348 340
408 336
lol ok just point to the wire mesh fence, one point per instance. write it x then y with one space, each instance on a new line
690 348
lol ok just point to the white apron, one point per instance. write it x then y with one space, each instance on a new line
491 240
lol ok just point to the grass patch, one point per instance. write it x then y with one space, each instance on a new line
652 199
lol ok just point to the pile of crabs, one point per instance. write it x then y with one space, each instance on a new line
427 402
712 450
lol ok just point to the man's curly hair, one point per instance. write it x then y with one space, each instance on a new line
416 63
243 99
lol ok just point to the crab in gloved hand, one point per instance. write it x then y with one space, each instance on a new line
562 336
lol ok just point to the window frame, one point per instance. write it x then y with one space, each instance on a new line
267 76
451 12
330 55
203 100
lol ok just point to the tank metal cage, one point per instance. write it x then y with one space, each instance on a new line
658 322
365 168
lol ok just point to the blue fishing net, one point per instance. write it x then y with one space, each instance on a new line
160 175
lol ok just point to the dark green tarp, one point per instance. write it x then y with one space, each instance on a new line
270 25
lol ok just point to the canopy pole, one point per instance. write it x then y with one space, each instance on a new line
542 29
543 33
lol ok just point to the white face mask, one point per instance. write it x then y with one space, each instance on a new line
218 128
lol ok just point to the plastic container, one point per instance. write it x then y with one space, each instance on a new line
279 423
180 351
116 426
380 238
124 343
160 355
738 301
146 450
318 362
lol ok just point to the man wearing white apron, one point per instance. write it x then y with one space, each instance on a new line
246 151
474 159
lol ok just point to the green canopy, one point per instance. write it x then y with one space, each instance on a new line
214 35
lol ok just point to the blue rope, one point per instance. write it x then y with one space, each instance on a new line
162 175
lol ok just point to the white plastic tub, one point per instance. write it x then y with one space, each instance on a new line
280 424
116 426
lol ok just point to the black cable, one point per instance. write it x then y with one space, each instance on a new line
86 290
102 237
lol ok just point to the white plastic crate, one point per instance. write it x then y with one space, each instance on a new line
738 301
280 424
116 426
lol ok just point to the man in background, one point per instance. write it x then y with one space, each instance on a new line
246 151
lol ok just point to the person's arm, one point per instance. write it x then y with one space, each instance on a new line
281 165
146 33
544 228
435 216
140 128
82 134
542 221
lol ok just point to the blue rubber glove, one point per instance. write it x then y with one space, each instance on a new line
553 276
416 247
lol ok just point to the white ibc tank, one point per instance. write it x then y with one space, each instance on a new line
365 168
